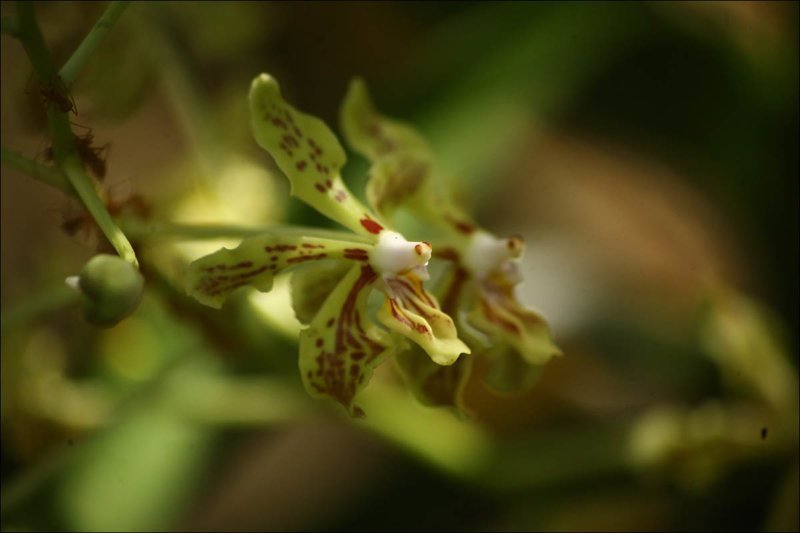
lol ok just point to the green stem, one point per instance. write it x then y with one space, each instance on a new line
33 42
44 173
49 299
9 26
66 155
106 21
84 186
141 229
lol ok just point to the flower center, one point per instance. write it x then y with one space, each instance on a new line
394 254
486 253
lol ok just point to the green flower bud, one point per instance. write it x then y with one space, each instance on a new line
112 288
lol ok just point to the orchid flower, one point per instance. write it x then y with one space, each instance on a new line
478 287
342 344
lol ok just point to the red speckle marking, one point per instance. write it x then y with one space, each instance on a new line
319 187
371 226
319 343
330 322
356 253
300 259
301 165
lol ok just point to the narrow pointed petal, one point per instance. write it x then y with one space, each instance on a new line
372 134
402 162
307 151
212 278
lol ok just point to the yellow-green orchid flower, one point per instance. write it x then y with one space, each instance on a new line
478 287
342 345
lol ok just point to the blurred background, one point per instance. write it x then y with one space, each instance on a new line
647 152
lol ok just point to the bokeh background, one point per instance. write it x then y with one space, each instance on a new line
647 152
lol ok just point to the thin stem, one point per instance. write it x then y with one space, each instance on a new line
9 26
106 21
46 301
84 186
64 150
44 173
148 230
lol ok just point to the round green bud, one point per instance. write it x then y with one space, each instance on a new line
112 288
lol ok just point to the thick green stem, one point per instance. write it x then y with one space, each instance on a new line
106 21
44 173
33 42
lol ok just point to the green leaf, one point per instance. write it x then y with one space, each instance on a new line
342 347
255 262
414 313
307 151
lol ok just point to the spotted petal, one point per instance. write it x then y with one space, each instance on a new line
372 134
414 313
498 314
438 385
402 162
341 347
403 169
307 151
212 278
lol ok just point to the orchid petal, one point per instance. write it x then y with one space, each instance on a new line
432 384
414 313
341 347
312 284
255 262
402 162
508 371
307 151
498 314
372 134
